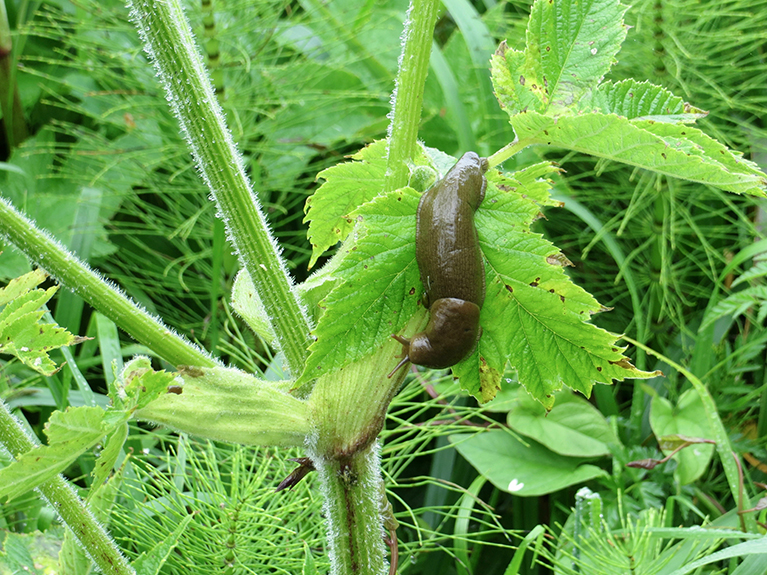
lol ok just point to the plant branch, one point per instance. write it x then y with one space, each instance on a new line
509 150
723 447
96 542
106 298
168 40
407 98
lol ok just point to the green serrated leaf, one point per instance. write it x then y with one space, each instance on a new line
21 553
137 385
533 316
21 333
737 304
755 272
380 281
346 187
108 456
570 47
21 285
70 434
229 405
512 86
640 100
674 150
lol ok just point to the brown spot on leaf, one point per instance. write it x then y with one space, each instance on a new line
177 389
623 363
190 371
558 259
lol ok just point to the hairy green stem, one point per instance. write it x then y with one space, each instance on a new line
408 92
723 446
168 40
77 276
94 539
353 491
509 150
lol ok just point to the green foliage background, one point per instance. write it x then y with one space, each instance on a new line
305 84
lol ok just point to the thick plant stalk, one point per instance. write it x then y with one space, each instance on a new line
96 542
168 40
349 408
407 98
353 491
77 276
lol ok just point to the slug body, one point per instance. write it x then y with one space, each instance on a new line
451 266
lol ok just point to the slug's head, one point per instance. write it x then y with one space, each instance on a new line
450 335
468 177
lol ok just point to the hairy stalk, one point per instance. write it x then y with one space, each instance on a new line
509 150
96 542
353 489
105 297
168 40
407 98
723 446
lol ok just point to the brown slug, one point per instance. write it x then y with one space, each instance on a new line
451 266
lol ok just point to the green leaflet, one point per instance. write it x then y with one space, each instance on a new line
570 47
74 431
639 100
21 333
70 434
674 150
346 187
523 470
381 281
